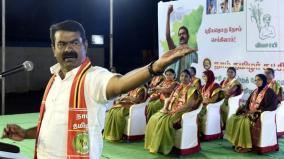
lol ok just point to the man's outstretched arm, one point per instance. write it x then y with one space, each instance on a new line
122 84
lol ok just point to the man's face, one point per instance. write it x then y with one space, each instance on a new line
183 37
206 64
237 2
224 6
268 74
69 49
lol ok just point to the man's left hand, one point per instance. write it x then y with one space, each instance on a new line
172 56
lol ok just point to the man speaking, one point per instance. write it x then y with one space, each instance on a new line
71 112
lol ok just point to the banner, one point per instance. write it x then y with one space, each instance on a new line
245 34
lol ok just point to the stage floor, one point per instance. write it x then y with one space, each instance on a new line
218 149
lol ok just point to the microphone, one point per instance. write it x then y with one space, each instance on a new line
26 66
9 148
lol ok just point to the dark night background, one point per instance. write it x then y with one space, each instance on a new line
135 25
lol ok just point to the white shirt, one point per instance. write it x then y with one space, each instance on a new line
52 141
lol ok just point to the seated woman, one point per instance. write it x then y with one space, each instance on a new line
240 127
160 131
155 82
231 87
161 92
211 93
195 81
274 85
115 118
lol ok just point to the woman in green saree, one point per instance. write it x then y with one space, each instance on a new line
155 82
115 118
194 80
243 129
161 92
211 93
160 131
231 87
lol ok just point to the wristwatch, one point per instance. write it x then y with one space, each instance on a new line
152 72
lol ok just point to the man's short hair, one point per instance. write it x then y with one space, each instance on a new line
67 25
271 70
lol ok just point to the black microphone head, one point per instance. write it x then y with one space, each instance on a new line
28 65
9 148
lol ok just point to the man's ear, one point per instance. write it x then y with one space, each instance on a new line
53 49
86 44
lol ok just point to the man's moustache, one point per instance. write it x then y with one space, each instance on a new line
71 54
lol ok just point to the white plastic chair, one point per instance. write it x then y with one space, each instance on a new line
268 137
186 139
213 124
280 119
136 122
233 103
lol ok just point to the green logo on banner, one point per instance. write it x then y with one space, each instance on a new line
81 143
